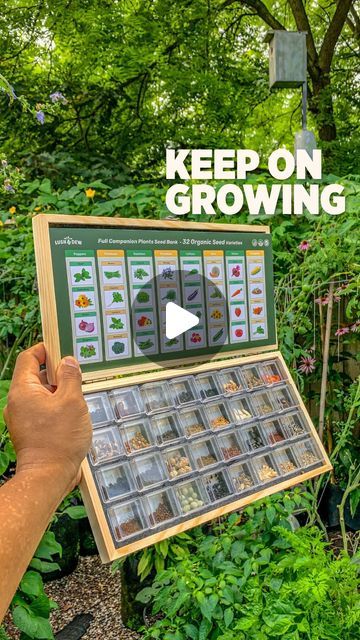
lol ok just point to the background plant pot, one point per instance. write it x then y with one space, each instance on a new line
352 522
67 533
328 506
87 542
132 610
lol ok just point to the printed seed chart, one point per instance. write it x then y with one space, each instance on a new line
120 280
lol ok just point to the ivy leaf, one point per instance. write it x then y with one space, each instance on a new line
32 583
48 547
75 512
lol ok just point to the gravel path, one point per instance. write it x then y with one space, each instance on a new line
91 588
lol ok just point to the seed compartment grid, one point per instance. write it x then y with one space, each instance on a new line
164 463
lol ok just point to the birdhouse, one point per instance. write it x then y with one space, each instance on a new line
287 59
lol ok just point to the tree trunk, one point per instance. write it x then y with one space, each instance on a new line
321 106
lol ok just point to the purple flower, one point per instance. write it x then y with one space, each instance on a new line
322 300
8 187
40 116
304 245
355 327
57 96
342 331
307 365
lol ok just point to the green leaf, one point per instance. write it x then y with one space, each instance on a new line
31 584
204 629
25 621
76 512
43 566
191 631
4 462
208 605
48 547
270 513
228 616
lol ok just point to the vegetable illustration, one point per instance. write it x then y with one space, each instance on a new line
116 297
218 335
216 314
171 295
236 293
82 276
259 330
83 301
118 347
215 272
255 271
192 272
238 312
167 273
88 327
146 344
140 273
195 337
257 310
193 295
87 351
144 321
239 333
236 271
216 293
142 297
112 274
198 314
116 323
171 342
257 291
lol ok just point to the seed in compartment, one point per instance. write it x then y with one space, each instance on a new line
263 404
126 520
183 391
217 416
273 432
165 426
207 386
105 446
267 472
126 402
216 486
283 398
252 378
229 383
149 471
189 497
99 408
271 373
219 422
204 453
307 457
287 466
192 421
160 508
230 446
178 463
253 438
294 426
241 409
115 481
135 437
242 481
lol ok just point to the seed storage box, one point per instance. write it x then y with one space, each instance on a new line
213 430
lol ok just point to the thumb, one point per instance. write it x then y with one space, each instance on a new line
68 376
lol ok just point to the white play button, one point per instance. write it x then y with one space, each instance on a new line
178 320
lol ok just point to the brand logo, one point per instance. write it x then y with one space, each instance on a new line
69 241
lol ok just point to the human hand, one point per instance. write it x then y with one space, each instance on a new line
50 427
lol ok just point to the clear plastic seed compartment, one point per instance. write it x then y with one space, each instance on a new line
100 409
294 424
207 386
241 409
251 377
252 437
191 496
218 415
230 445
286 461
160 507
136 435
149 470
178 461
283 398
183 391
115 481
127 520
127 402
166 427
263 403
217 485
307 454
106 445
156 396
192 420
242 477
273 431
272 373
230 381
205 453
265 469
